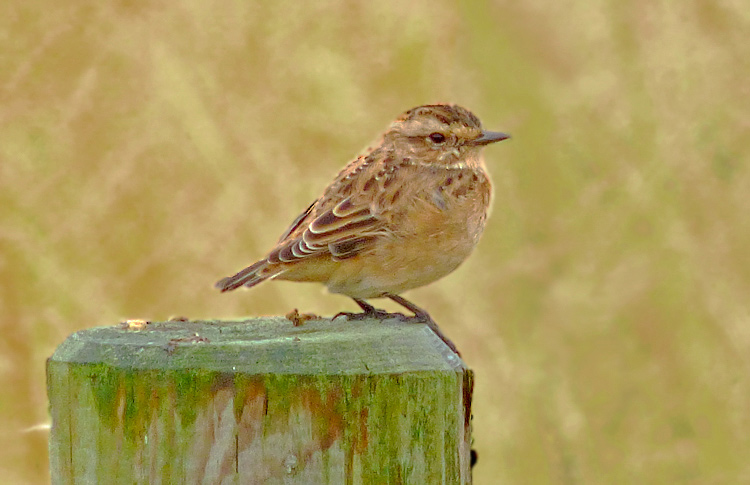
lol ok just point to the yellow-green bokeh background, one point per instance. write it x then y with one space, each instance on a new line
149 148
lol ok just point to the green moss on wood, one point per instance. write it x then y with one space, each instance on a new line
384 402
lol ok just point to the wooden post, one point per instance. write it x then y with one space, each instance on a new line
259 401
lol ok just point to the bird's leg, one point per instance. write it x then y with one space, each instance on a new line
419 313
421 316
369 311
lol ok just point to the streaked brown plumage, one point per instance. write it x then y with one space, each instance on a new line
400 216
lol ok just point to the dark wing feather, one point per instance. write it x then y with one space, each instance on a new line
296 223
250 276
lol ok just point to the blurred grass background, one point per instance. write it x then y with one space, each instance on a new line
148 149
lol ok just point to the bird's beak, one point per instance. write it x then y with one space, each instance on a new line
488 137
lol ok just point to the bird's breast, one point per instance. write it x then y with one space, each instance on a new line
429 233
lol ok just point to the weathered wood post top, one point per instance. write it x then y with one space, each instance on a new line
259 401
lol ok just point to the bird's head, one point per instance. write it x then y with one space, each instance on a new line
443 134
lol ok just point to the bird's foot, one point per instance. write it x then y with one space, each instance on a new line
374 313
420 316
369 311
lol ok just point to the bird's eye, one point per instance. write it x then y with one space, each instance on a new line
437 137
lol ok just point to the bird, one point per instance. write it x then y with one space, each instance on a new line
404 213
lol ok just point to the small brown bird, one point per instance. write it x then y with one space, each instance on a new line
404 214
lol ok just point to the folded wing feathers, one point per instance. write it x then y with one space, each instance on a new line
331 220
343 231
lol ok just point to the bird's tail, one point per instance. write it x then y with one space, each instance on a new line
250 276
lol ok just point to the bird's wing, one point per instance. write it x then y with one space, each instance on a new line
343 231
